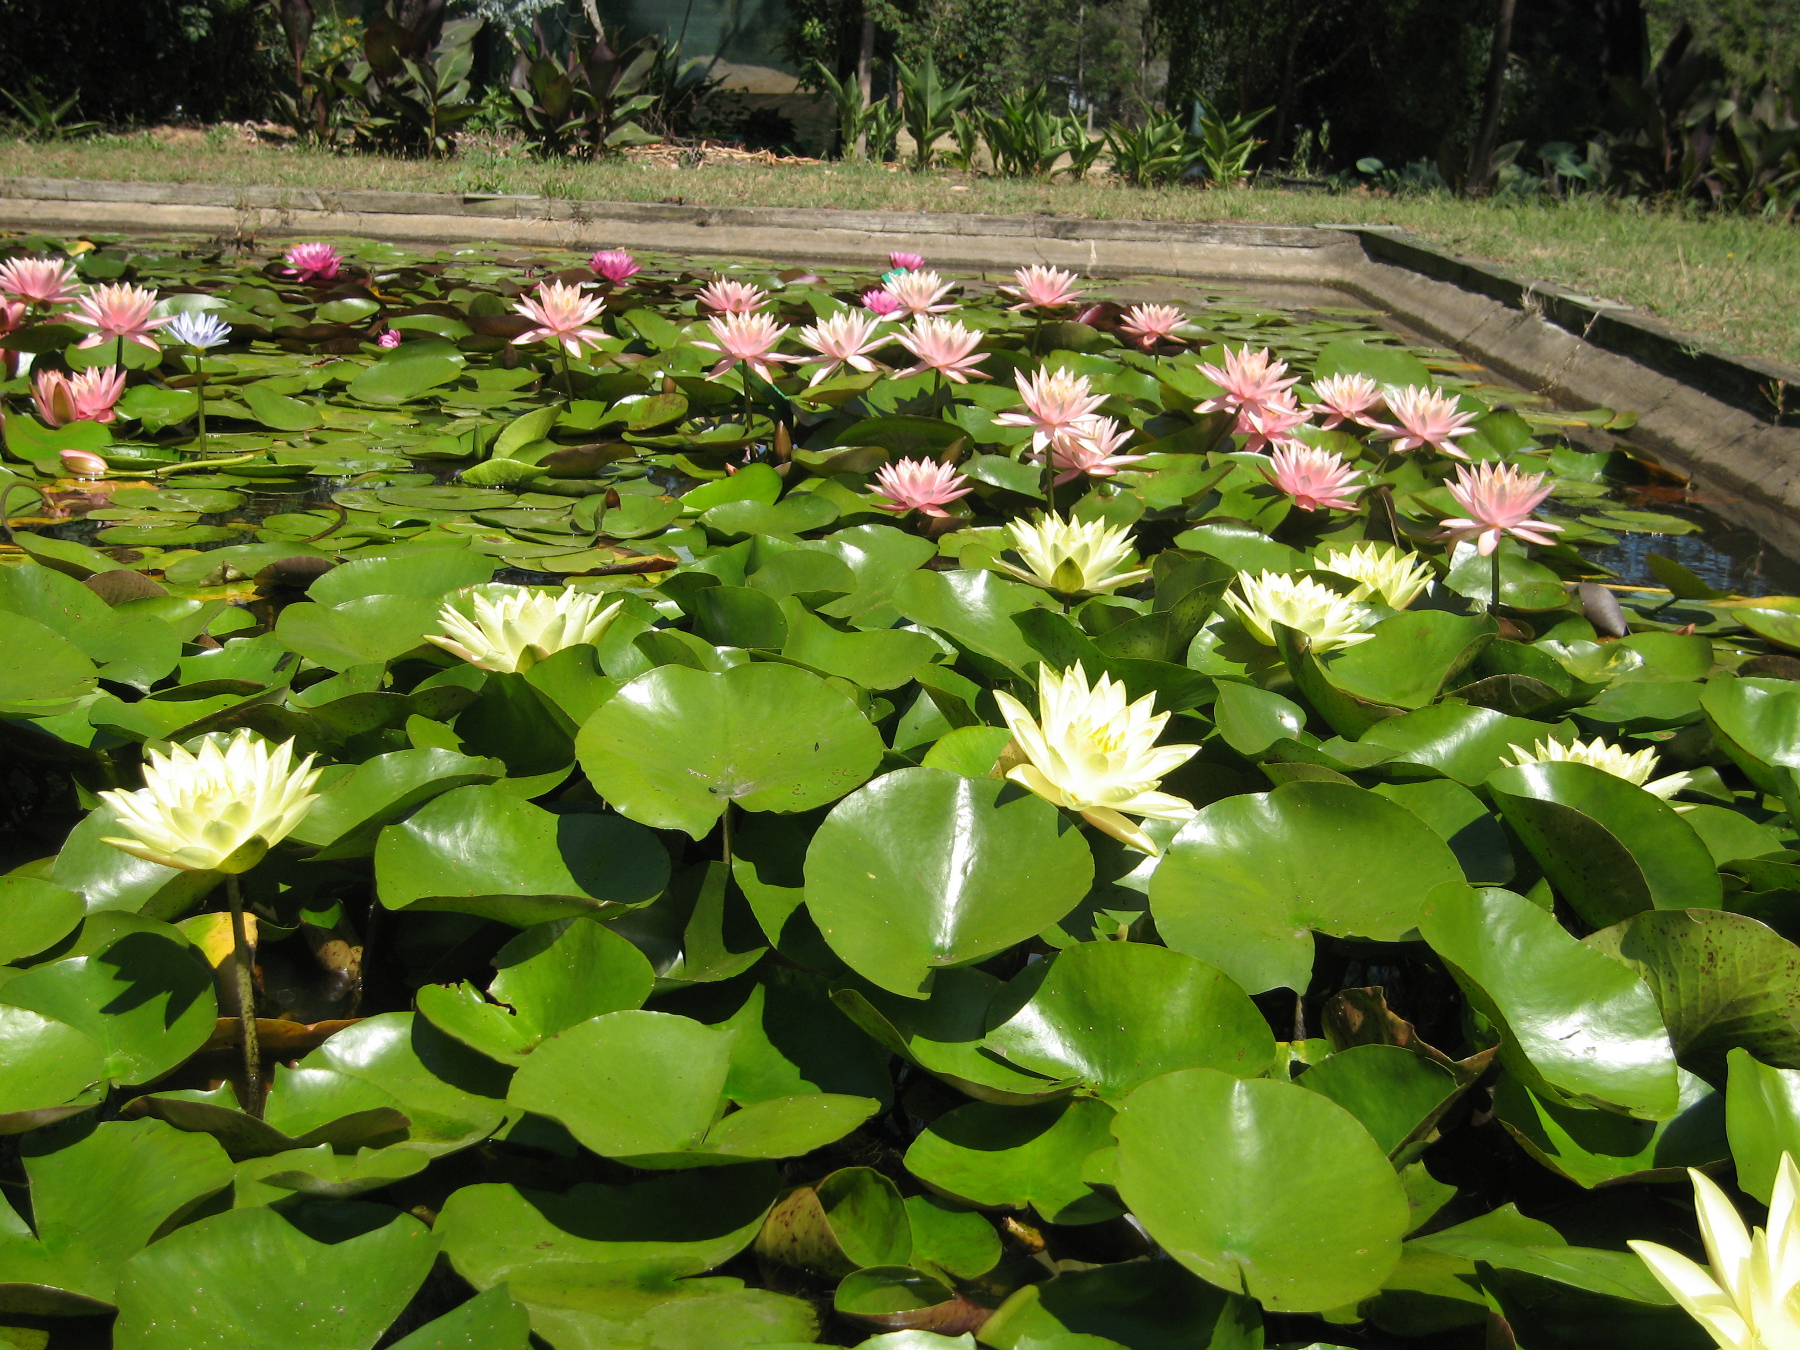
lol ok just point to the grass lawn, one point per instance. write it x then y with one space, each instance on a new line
1721 278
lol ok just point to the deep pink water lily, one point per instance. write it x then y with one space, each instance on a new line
942 345
38 281
1345 398
1151 324
118 313
389 340
732 297
614 265
564 316
919 292
921 485
1055 400
844 339
749 338
1498 500
906 262
1316 479
1092 447
312 262
1040 287
87 396
880 301
1247 379
1426 417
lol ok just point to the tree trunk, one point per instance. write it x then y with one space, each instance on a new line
865 73
1481 159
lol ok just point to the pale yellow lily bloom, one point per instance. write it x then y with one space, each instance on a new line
1073 555
1089 751
219 810
1328 619
1633 766
1750 1299
515 627
1393 577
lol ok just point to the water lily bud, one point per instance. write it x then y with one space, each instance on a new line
82 464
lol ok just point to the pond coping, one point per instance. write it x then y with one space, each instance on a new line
1714 416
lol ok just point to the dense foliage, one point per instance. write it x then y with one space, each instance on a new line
743 964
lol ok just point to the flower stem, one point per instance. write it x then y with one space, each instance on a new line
744 375
937 393
1494 588
568 379
1037 333
725 822
200 392
246 995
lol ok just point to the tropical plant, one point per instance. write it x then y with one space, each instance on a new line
584 101
677 86
1081 146
928 105
604 807
41 120
1153 152
1024 137
412 86
1225 145
854 115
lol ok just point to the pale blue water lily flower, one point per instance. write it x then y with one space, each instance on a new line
198 329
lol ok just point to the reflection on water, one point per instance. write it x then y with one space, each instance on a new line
1726 557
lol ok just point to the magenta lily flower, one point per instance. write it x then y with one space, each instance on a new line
1264 425
118 313
1092 448
732 297
1055 401
87 396
1151 324
389 340
1040 287
563 315
1426 417
312 262
921 485
1247 379
38 281
1316 479
749 338
880 301
1345 398
919 292
1499 500
844 339
614 265
906 262
942 345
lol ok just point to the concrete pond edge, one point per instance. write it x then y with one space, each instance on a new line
1722 419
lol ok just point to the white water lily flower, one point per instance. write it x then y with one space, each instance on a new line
1633 766
1393 577
219 810
1750 1299
515 627
1073 555
1090 752
1330 620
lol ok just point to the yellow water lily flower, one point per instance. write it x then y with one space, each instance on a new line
515 627
1073 555
1089 751
1633 766
1750 1299
1330 620
1389 575
219 810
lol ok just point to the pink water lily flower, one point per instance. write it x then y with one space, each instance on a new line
906 262
82 463
1040 287
1055 400
844 339
12 318
1247 379
563 315
1426 417
919 292
38 281
1270 423
87 396
1316 479
389 340
312 262
615 265
880 301
1345 398
750 338
1151 324
1499 500
118 313
1092 447
733 297
942 345
921 485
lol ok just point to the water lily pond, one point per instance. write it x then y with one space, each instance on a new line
629 804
